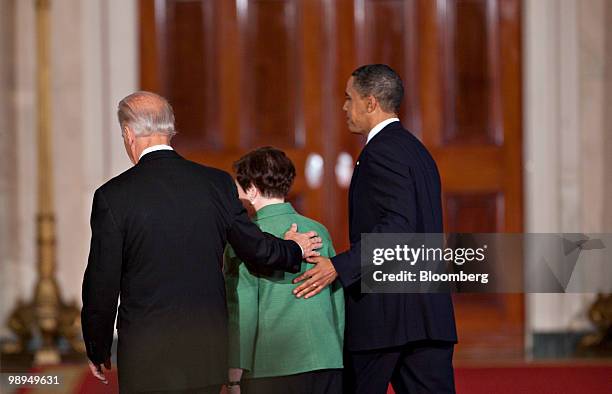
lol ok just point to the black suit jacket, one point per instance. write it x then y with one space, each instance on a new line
395 189
158 235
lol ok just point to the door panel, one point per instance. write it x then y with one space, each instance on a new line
469 44
472 126
271 54
387 33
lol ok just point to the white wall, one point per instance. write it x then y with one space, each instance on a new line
94 64
565 134
8 176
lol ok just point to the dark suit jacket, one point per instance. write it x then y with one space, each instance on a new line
158 236
395 189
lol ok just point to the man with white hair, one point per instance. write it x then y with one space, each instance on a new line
158 234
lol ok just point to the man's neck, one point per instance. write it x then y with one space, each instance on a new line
143 143
378 127
380 117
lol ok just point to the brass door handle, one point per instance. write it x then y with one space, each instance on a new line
344 169
314 170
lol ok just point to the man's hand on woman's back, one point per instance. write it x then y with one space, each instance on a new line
309 242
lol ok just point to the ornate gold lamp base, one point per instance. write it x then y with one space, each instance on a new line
600 342
48 320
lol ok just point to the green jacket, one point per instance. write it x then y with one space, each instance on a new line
271 332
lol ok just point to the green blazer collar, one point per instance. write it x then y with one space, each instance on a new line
274 210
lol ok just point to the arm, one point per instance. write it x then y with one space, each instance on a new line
259 248
242 290
392 186
321 276
234 376
337 294
101 282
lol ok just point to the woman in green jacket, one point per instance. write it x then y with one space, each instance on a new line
278 343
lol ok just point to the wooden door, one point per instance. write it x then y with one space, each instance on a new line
473 120
460 62
248 73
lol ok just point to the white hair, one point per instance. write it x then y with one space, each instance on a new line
146 113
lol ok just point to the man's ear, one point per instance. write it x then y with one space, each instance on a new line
129 135
371 104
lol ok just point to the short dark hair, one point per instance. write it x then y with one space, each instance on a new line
380 81
268 169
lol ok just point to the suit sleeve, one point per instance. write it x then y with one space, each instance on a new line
242 293
337 298
392 187
101 282
256 247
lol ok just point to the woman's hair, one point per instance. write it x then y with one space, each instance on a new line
268 169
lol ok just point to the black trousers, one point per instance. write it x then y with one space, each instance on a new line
325 381
416 368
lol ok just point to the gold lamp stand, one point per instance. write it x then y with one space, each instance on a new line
599 343
46 317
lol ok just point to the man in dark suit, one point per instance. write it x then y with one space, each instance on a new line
405 339
158 235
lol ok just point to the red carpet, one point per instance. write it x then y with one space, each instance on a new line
516 379
540 379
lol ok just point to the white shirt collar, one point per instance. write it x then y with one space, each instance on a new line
379 127
155 148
